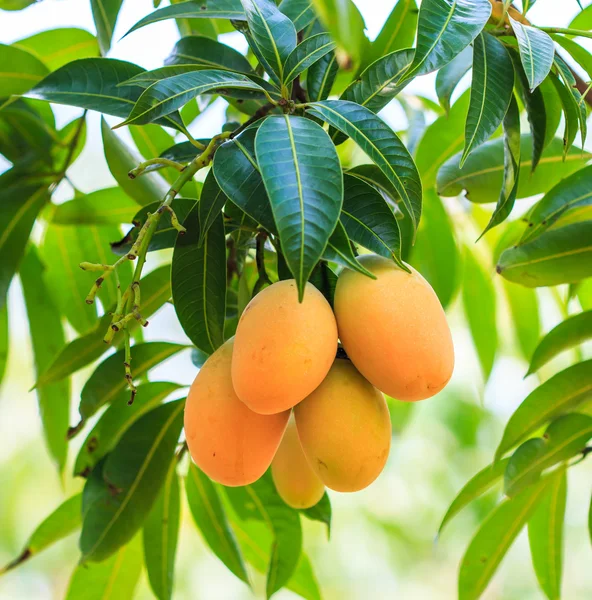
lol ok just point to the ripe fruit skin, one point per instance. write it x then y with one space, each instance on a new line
345 429
394 330
295 481
230 443
283 348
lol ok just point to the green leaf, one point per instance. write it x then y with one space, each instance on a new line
109 206
21 70
449 76
113 579
577 52
565 73
339 250
105 14
273 33
198 280
536 52
210 517
480 483
57 47
306 54
444 29
153 140
556 256
564 438
145 189
480 308
167 95
208 53
321 76
237 173
160 534
108 381
321 512
20 203
302 175
202 9
570 111
182 152
131 477
553 109
368 220
483 172
300 12
398 31
511 177
63 521
545 534
4 340
558 395
380 143
491 91
47 337
116 420
569 333
15 4
210 205
488 547
524 308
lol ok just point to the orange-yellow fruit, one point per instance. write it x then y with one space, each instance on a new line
283 348
296 482
345 429
228 441
394 329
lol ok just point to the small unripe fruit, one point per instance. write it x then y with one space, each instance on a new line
394 329
228 441
283 348
345 429
296 482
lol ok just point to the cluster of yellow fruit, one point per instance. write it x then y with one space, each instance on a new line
237 416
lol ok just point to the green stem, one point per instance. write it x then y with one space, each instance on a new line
566 31
159 162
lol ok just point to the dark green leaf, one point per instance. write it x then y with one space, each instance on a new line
321 76
160 534
444 29
339 250
300 12
108 380
210 517
198 281
21 70
182 152
449 76
105 16
302 175
109 206
63 521
131 478
323 278
321 512
116 420
491 91
210 205
570 111
306 54
558 395
578 102
577 52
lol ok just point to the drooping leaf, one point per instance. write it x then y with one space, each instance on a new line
160 534
381 144
545 534
300 12
116 420
576 51
321 512
558 395
210 517
578 102
556 256
109 206
339 250
63 521
480 483
491 91
321 76
306 54
105 14
449 76
302 176
536 52
108 380
198 281
131 478
444 29
21 70
210 204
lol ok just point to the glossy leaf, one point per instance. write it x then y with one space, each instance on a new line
536 52
577 52
339 250
321 76
556 256
321 512
444 29
556 396
109 206
491 91
131 478
302 176
105 14
381 144
198 281
210 204
300 12
545 534
306 54
569 333
450 75
63 521
210 517
108 380
160 534
478 485
566 75
21 70
116 420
